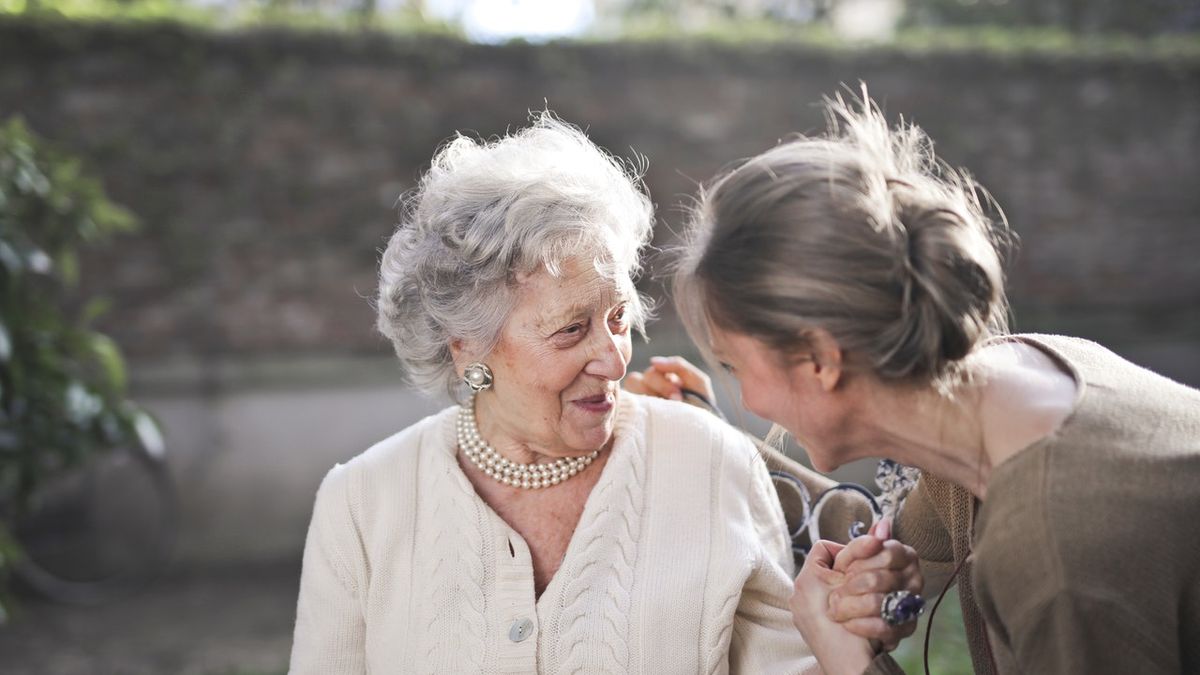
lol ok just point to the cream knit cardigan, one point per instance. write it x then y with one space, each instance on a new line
679 564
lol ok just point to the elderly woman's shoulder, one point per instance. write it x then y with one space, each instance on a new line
686 426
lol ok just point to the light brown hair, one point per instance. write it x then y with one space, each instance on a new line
862 232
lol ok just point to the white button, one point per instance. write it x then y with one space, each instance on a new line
521 629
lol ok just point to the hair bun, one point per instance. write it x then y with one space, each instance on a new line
863 233
952 290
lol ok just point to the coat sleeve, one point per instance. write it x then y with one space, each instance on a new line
764 639
920 525
330 629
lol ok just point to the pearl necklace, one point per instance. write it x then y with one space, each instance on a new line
527 476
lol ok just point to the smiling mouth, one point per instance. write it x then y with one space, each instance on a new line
599 403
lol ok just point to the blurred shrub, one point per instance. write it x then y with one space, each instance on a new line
62 384
404 16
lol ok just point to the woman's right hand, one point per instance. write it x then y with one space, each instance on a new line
874 565
845 587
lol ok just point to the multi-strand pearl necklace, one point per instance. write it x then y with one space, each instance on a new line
528 476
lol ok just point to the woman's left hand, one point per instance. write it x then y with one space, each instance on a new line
836 648
874 565
839 592
667 377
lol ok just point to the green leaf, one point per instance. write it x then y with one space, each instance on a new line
113 218
94 309
108 355
31 181
68 267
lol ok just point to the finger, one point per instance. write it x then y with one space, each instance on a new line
875 581
656 381
634 383
893 556
882 528
876 628
915 580
823 554
819 564
859 549
843 608
691 376
883 581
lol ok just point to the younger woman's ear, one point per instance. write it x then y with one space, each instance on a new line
827 358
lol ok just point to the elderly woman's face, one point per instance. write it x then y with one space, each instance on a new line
559 362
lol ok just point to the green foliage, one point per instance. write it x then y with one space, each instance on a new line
1144 17
299 14
1155 31
991 41
97 9
1083 17
62 384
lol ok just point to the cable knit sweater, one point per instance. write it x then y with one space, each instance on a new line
679 564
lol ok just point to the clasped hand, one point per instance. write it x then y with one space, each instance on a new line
839 592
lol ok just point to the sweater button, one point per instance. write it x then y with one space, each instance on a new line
520 630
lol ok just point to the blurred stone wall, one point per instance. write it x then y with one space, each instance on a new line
265 167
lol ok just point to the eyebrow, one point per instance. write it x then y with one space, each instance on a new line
577 310
559 318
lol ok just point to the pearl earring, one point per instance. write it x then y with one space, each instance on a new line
478 376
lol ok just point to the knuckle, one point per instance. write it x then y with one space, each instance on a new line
871 580
889 581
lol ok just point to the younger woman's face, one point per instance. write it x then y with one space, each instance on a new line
784 390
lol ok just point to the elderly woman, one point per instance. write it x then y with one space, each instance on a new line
852 284
549 522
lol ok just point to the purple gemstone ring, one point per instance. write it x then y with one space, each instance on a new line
901 607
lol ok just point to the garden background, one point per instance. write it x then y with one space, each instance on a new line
263 146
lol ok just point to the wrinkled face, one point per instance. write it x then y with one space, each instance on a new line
786 392
559 363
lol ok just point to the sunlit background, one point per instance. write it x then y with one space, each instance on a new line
261 145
